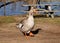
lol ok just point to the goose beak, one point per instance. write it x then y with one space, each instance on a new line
35 11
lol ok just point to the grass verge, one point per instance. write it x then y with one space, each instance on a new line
6 19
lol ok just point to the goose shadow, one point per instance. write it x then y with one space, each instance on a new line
36 31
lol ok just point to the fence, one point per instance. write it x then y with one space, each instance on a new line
14 8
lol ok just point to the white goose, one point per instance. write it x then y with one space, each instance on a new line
27 25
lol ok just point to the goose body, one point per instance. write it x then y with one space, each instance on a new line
27 25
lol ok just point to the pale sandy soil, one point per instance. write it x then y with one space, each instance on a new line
49 33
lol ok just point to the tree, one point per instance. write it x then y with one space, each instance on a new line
0 0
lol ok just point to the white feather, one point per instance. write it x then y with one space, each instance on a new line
19 26
27 24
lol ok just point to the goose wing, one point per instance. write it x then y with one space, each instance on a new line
22 22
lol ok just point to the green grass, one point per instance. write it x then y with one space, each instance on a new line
12 19
6 19
48 20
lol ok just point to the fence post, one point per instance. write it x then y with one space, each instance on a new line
4 8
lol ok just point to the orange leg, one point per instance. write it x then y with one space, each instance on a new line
31 34
26 36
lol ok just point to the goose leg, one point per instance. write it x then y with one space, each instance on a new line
26 36
31 34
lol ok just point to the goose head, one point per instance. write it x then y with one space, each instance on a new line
32 11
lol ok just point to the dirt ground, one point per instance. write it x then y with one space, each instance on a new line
48 33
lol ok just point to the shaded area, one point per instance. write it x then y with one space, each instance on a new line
36 31
38 16
6 4
44 16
